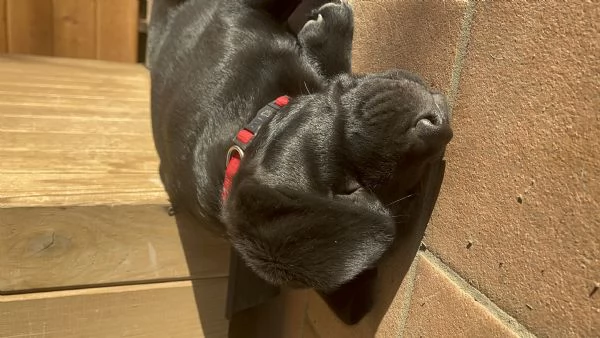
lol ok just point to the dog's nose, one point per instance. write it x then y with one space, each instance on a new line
436 121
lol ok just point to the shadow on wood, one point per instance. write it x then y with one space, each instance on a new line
196 256
246 292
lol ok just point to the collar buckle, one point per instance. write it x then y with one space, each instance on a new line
244 137
234 149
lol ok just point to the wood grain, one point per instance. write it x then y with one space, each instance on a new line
118 30
59 248
75 132
75 28
30 27
82 210
3 30
176 309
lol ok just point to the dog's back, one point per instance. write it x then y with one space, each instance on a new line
213 65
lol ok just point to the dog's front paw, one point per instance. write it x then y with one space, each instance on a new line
330 24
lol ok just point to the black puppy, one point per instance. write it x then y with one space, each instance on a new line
309 205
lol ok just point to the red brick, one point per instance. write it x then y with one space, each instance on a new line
439 308
522 178
419 36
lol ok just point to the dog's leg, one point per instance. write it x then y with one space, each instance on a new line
327 38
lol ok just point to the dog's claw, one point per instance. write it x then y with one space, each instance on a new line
327 37
333 18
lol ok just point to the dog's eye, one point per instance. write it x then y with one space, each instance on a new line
350 187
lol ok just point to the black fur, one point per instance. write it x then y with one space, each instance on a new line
310 204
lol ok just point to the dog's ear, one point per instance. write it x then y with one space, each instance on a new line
306 240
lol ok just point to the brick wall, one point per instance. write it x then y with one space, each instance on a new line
513 246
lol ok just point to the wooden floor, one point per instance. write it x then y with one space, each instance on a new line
87 248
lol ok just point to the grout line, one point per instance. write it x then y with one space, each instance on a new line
411 275
312 327
463 45
307 322
481 298
305 319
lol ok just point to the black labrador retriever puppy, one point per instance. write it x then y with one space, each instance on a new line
266 134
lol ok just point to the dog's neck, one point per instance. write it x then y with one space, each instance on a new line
244 137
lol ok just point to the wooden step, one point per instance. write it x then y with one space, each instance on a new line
75 132
56 248
172 309
81 203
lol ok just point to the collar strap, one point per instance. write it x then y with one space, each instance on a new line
244 137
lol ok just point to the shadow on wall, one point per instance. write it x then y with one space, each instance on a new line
381 285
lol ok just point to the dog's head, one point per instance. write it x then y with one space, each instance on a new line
390 126
395 125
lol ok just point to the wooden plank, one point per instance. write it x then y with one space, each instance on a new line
118 30
75 132
60 248
176 309
30 27
3 30
75 28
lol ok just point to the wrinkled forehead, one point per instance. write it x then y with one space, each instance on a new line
399 90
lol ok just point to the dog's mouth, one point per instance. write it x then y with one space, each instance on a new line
352 187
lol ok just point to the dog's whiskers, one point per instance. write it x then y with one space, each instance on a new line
306 86
400 199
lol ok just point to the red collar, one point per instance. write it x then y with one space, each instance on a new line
243 139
